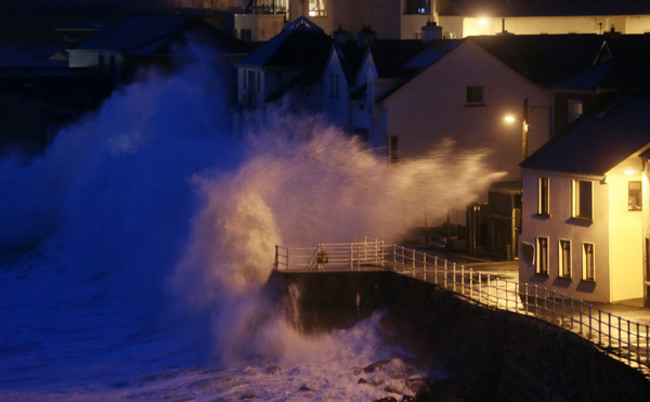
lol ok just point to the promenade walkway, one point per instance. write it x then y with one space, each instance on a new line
622 330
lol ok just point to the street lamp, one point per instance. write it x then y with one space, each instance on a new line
524 128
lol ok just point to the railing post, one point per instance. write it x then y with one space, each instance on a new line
275 264
435 270
453 270
424 266
394 257
413 264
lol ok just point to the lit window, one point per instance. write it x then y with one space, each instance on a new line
634 196
317 8
565 258
542 196
583 199
474 94
575 109
588 262
541 267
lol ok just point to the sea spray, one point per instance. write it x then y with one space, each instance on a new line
152 206
304 182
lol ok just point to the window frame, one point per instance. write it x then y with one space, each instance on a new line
588 263
638 205
564 260
543 196
541 259
578 204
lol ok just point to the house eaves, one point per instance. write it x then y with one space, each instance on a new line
597 142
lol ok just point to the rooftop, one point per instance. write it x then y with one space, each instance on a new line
597 142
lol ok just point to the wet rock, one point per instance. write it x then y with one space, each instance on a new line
305 388
273 369
376 366
387 399
247 397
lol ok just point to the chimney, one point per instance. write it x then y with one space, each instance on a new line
340 36
366 36
430 32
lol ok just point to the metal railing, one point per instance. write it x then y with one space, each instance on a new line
620 338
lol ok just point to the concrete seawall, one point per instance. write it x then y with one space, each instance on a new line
484 353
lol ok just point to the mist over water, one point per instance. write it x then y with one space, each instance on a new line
156 204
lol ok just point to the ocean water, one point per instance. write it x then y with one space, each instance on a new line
133 251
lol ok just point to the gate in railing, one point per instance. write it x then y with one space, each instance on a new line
621 338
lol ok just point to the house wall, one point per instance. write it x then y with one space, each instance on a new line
646 227
559 225
490 25
433 106
626 231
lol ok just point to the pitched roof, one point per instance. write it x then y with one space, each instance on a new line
543 59
148 34
511 8
597 142
622 63
301 44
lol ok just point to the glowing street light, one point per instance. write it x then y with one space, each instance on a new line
524 128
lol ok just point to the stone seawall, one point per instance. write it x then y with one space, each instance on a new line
485 354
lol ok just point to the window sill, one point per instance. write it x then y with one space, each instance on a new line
564 278
578 220
589 281
542 216
475 105
544 274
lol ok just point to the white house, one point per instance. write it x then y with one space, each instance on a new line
464 95
289 65
585 207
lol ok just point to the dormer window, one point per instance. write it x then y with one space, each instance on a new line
317 8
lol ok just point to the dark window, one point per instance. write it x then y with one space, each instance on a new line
393 150
583 199
417 7
634 196
474 94
542 256
588 262
246 35
542 196
334 85
565 258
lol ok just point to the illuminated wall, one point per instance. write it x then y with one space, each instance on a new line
559 225
490 25
433 106
626 232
